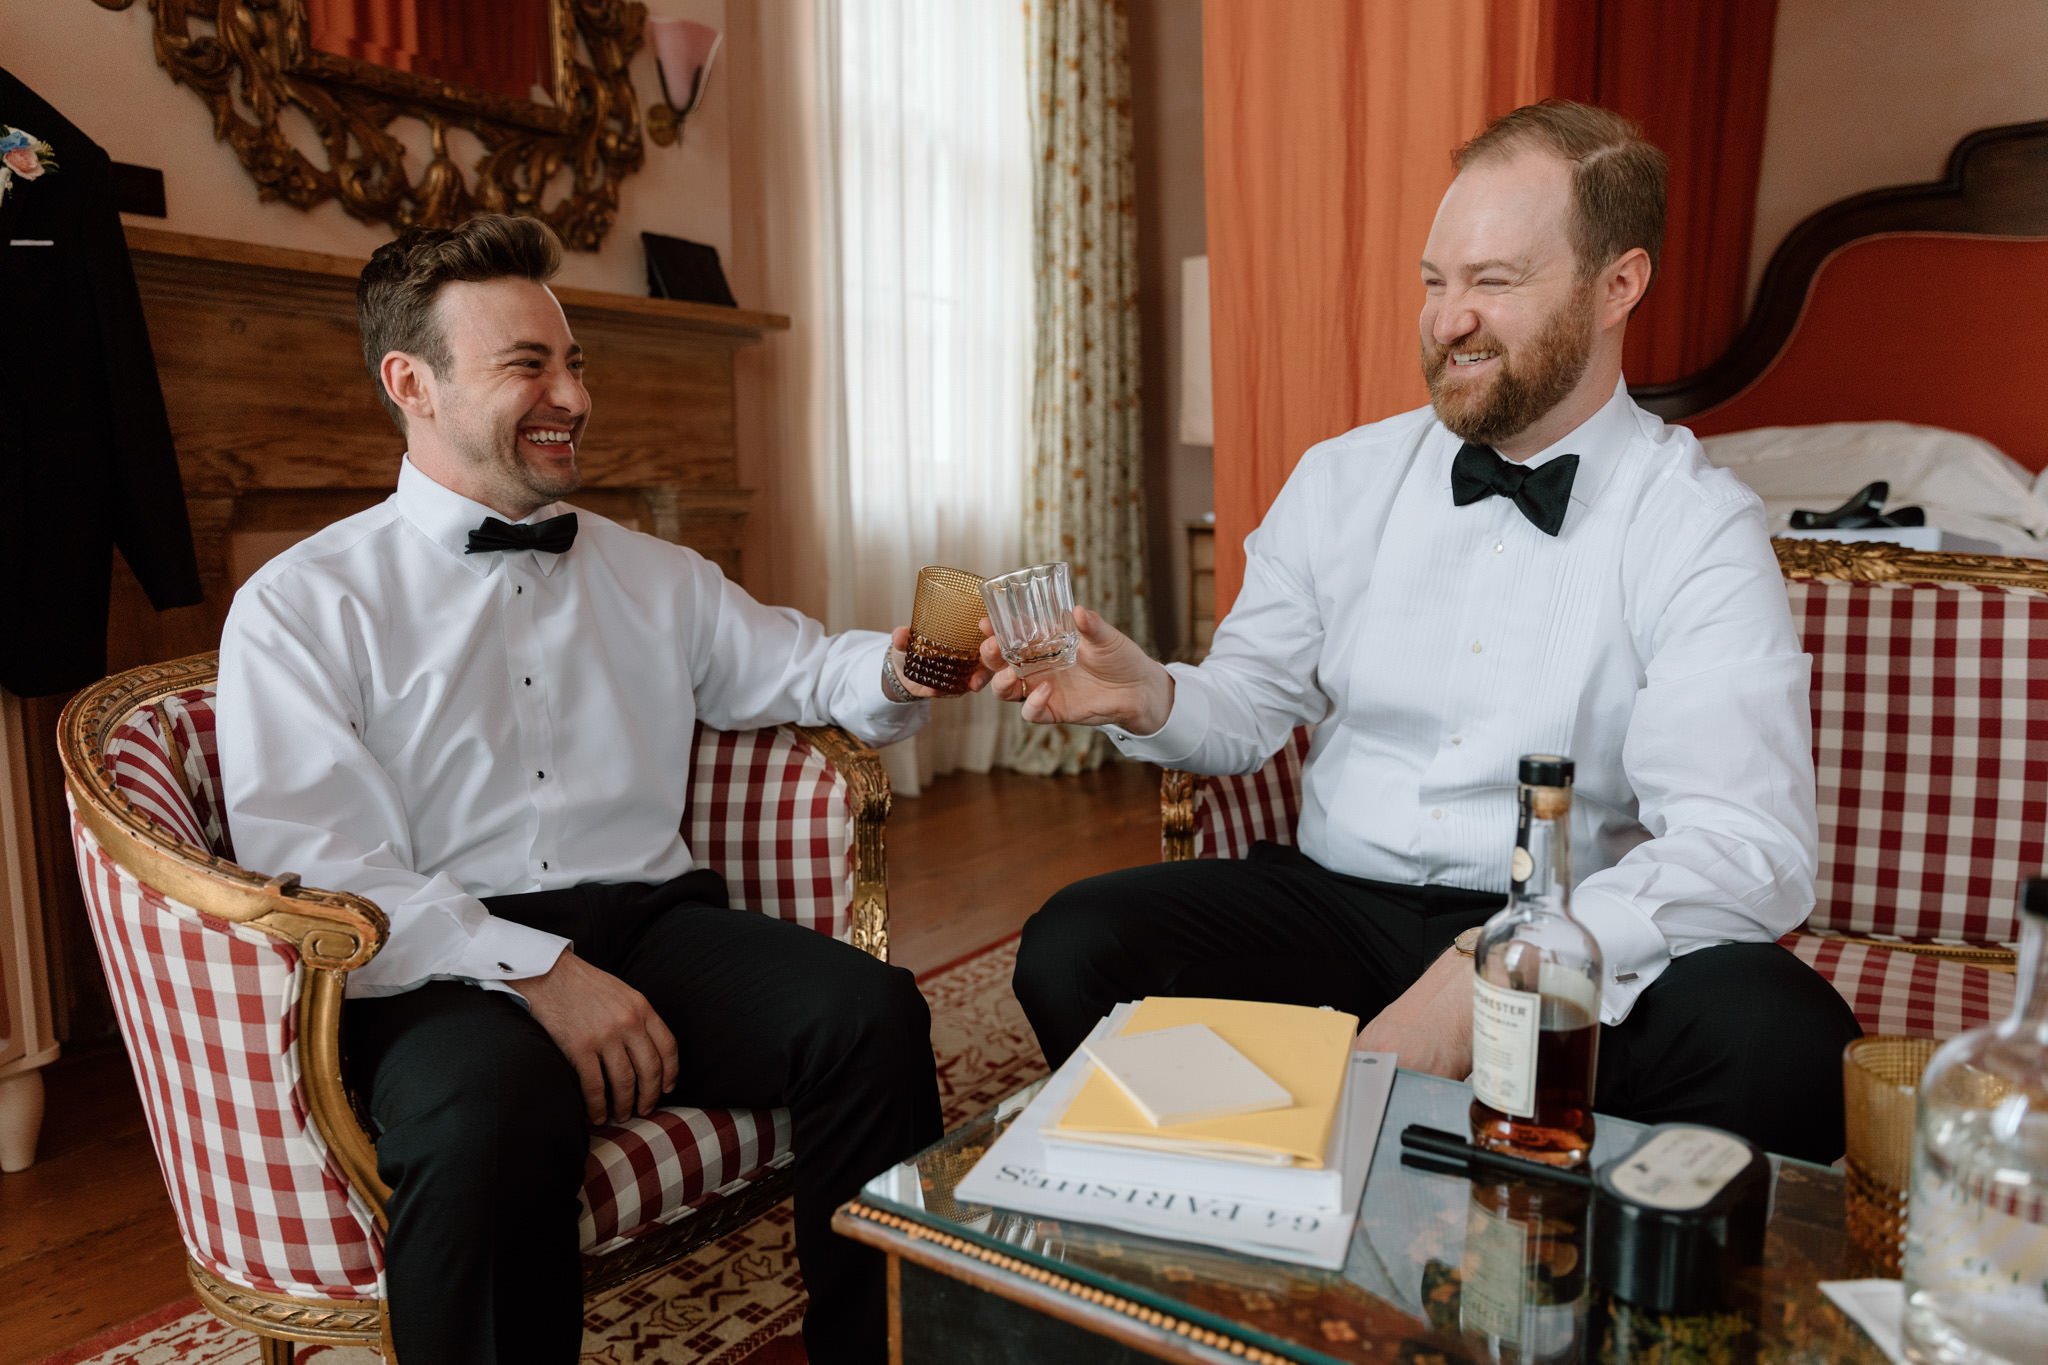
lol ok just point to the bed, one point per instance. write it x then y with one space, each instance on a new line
1922 307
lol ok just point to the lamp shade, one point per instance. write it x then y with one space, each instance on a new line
684 48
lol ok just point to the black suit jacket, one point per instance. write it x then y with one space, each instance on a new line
86 461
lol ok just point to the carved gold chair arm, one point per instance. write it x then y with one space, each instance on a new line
333 932
1176 815
868 796
1881 562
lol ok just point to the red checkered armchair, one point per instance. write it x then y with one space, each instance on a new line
228 985
1930 737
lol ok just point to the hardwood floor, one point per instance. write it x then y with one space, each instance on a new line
87 1240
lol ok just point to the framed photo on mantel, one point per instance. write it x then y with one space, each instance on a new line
678 269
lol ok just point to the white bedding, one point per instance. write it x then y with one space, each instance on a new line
1967 485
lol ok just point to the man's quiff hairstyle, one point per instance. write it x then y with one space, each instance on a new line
395 296
1617 178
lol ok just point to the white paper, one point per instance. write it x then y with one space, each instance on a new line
1013 1175
1877 1306
1185 1074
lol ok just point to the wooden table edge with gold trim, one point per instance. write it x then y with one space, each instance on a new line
1061 1298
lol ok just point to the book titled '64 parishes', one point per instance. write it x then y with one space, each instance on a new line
1290 1191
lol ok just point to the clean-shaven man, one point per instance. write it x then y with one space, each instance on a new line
474 705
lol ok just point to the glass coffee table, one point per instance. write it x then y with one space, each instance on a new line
1441 1268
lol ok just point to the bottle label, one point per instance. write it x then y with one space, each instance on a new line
1504 1028
1496 1273
1682 1168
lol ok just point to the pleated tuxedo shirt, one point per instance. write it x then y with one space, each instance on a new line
427 727
1433 645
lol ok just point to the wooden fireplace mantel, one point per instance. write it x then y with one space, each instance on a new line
279 432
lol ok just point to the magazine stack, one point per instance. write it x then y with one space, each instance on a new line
1237 1124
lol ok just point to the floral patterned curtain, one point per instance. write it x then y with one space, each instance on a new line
1083 491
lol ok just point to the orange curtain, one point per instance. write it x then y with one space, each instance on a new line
1328 131
1696 74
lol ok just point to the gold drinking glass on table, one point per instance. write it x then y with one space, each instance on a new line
945 629
1032 614
1880 1082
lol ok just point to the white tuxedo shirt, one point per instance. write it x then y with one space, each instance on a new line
426 727
1433 645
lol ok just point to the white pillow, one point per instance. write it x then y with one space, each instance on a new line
1958 478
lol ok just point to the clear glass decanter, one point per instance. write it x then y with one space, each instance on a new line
1976 1263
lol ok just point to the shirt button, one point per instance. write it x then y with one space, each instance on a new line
504 966
539 774
519 589
527 681
1478 648
1456 740
543 867
1498 547
1437 814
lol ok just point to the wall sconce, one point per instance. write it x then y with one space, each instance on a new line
683 51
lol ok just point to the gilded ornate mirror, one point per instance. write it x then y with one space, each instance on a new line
308 92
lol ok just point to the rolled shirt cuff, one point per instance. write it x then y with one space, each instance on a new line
1633 950
1187 724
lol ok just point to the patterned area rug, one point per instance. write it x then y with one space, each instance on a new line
739 1301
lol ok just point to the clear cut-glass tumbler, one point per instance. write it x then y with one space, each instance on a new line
1032 614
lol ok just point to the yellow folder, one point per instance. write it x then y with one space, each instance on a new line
1305 1050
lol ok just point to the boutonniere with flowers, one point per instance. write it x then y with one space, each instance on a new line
23 154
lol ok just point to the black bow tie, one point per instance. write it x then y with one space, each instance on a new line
554 535
1542 493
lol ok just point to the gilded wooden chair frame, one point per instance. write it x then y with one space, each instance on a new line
335 932
1859 562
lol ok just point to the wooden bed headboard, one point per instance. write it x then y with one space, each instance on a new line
1921 303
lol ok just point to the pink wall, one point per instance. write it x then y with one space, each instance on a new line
1868 93
99 68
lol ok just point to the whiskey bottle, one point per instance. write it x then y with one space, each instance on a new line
1536 998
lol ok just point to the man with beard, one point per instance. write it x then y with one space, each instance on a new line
1530 564
475 707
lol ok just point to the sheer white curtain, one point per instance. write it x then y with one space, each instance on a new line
891 191
934 196
786 256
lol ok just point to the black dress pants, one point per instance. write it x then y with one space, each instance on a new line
481 1130
1743 1036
